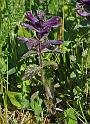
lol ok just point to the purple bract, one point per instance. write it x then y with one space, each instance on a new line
83 8
39 24
85 2
42 29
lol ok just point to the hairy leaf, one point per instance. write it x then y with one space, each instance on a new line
31 71
26 55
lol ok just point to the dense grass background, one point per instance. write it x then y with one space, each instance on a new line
22 102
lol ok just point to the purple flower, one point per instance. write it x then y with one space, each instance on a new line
30 42
39 24
42 29
83 8
53 22
51 42
30 17
87 2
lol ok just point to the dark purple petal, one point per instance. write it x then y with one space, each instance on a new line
37 29
30 17
53 22
85 2
30 42
44 45
41 15
40 32
51 42
43 32
34 21
81 10
23 39
28 26
55 42
84 14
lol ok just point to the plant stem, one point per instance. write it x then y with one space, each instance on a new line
5 95
40 55
79 116
82 113
41 64
6 92
48 93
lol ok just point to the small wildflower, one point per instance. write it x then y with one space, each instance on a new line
83 8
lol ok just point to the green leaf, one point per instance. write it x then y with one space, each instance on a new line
27 82
12 97
50 63
72 75
77 91
38 109
34 95
11 71
36 104
3 66
84 53
88 59
73 58
38 118
32 104
25 103
70 116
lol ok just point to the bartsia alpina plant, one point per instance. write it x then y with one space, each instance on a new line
40 44
83 8
42 29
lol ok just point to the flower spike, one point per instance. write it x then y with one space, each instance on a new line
42 29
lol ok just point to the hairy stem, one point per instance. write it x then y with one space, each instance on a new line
48 93
41 64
